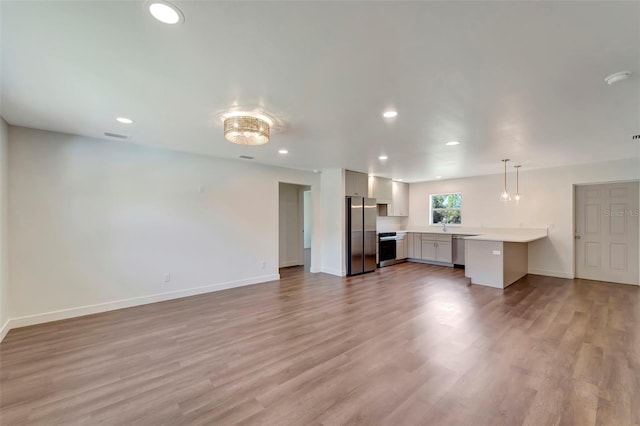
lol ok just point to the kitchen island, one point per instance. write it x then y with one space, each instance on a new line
498 260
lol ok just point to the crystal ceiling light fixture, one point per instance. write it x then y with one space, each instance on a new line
247 129
517 197
505 194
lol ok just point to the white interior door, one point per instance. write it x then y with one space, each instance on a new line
606 218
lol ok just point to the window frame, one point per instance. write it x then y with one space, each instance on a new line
431 209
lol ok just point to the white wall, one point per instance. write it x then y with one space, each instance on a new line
333 219
4 238
290 225
547 199
308 219
391 223
96 224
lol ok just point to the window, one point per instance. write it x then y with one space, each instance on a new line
446 208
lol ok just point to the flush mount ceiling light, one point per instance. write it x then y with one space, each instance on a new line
283 151
616 77
390 114
124 120
505 194
165 12
438 177
247 129
383 157
452 143
517 197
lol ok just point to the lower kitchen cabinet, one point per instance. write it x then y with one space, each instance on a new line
401 248
428 251
417 246
443 252
432 247
410 237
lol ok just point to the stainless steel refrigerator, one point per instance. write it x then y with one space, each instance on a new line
361 235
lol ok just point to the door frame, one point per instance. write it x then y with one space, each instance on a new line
573 218
302 187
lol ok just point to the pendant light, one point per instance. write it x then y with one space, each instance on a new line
517 197
505 194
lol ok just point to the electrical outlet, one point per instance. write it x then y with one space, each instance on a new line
496 252
167 278
263 264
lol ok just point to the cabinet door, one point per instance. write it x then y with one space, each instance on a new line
443 252
406 248
400 199
428 250
410 246
382 190
417 247
400 253
356 184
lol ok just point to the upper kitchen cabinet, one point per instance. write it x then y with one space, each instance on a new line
400 196
356 184
381 189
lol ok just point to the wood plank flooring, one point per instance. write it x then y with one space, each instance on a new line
411 344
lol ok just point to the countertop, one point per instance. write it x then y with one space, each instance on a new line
510 238
511 235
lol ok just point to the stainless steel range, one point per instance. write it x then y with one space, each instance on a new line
386 249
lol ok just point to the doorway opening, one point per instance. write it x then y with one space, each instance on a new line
295 226
606 218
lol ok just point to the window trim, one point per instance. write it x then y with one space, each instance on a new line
431 209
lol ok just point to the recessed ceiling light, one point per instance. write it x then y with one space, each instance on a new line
165 12
390 114
124 120
619 76
438 177
399 180
383 157
452 143
283 151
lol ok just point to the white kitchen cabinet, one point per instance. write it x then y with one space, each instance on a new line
428 250
381 189
443 252
356 184
401 247
400 199
436 248
410 246
417 246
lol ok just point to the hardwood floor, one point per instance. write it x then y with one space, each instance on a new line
410 344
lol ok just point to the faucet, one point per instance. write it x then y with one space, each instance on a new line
444 225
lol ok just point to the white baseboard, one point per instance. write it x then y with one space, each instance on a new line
127 303
333 271
5 329
547 273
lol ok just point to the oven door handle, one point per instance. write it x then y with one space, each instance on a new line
387 238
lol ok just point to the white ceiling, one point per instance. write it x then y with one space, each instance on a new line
523 80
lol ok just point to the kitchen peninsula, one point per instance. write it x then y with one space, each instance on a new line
500 259
491 257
